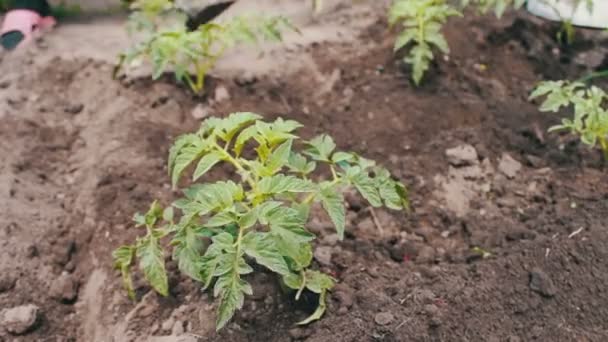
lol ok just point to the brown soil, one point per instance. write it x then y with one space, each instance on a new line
82 152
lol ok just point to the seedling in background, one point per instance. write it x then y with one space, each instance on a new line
422 21
183 51
224 226
590 119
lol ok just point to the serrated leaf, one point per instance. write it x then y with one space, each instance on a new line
320 148
279 184
224 241
232 292
341 157
221 219
187 250
287 223
318 282
318 312
367 188
185 157
333 203
152 263
260 246
123 259
299 254
206 163
279 157
243 138
293 280
298 163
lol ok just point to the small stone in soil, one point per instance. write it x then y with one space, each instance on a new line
7 281
200 112
384 318
462 155
426 255
21 319
64 289
541 282
221 94
509 166
74 108
323 255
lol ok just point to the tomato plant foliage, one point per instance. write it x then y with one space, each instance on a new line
173 46
226 225
422 22
590 119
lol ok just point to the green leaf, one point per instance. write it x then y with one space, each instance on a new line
298 163
232 292
279 184
186 156
260 246
206 163
288 223
152 263
123 259
243 137
318 312
224 241
318 282
293 280
299 254
221 219
320 148
367 188
333 203
341 157
187 250
279 157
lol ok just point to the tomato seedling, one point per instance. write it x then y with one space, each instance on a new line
183 50
590 119
422 21
225 225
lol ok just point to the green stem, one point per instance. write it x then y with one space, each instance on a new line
590 76
237 165
604 145
303 286
201 71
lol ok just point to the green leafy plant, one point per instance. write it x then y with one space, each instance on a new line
497 6
198 51
590 117
422 21
225 225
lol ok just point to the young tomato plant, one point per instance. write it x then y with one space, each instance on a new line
226 225
590 116
184 50
422 21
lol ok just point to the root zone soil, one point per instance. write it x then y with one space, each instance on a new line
82 152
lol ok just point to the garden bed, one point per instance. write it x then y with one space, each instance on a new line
82 152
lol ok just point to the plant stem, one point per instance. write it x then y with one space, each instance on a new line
301 289
604 145
590 76
237 165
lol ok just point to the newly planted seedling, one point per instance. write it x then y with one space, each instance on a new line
422 21
590 119
226 225
183 51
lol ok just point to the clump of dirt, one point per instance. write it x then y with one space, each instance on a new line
505 242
